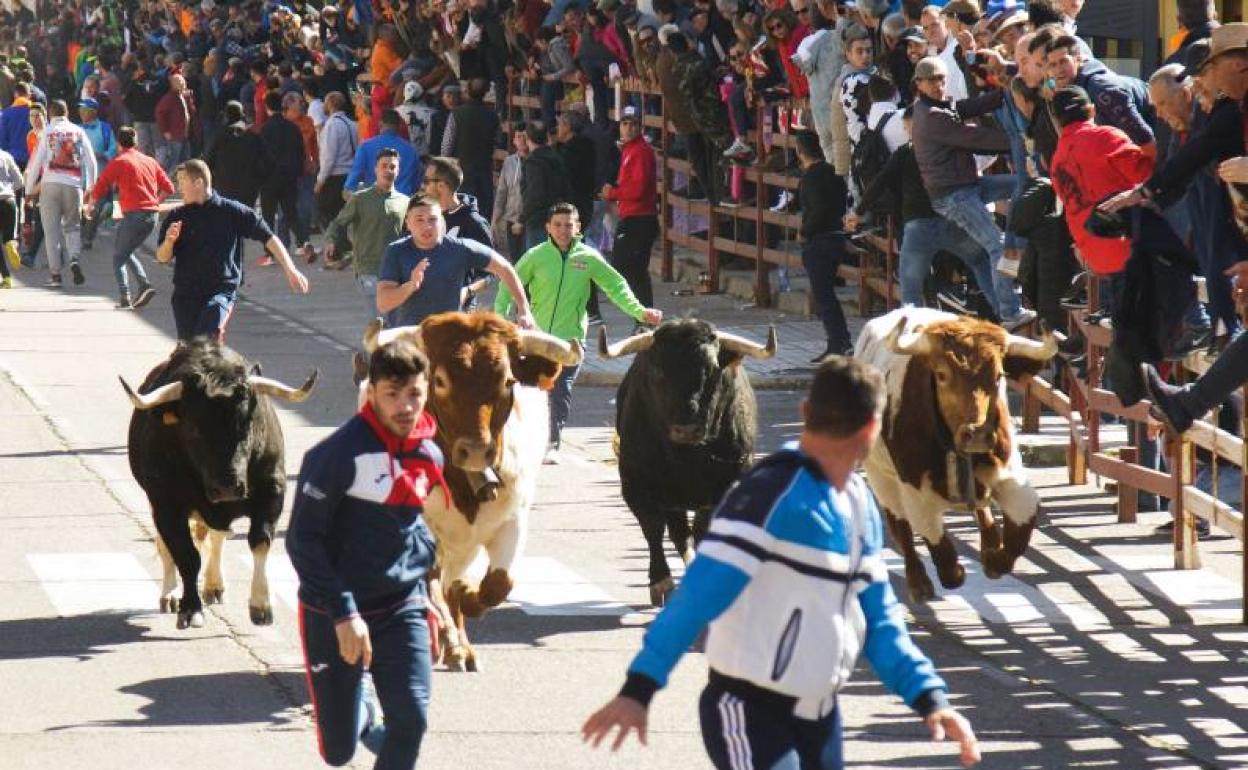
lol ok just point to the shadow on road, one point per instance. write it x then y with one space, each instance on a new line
80 637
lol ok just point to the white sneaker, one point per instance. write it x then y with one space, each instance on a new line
1024 317
785 199
738 149
1008 266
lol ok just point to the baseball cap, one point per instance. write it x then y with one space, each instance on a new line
666 31
630 113
412 91
1071 102
89 103
913 34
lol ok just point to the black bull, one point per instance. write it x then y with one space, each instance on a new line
205 444
687 422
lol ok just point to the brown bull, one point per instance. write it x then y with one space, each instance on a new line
492 429
947 440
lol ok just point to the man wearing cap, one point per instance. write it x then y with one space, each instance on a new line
1092 162
104 143
634 193
945 145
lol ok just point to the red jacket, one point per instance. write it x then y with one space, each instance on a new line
176 116
141 183
1091 163
799 88
637 187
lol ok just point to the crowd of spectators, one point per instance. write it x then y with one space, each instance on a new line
989 135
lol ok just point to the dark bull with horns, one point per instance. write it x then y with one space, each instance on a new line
206 446
687 421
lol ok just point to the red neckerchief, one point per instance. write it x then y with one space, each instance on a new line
406 467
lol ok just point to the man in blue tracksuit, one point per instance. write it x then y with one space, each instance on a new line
359 542
791 579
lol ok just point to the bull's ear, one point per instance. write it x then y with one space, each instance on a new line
535 371
1021 367
728 358
255 371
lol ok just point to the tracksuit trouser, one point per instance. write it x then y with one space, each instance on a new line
759 730
60 207
402 673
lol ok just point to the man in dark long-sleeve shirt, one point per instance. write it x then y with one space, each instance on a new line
823 194
946 145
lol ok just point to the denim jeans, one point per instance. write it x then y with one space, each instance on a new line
921 239
134 229
561 403
367 284
551 93
966 207
1228 372
171 153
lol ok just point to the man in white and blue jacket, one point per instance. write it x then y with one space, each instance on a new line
360 545
791 580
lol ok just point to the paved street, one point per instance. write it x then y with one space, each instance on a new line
1095 654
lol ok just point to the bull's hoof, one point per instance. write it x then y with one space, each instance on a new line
472 664
456 658
956 577
495 587
213 595
661 590
190 619
920 589
168 604
261 616
997 563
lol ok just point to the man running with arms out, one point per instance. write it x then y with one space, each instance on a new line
206 235
424 273
791 579
360 545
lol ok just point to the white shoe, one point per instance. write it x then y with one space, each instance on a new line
1024 317
785 199
738 149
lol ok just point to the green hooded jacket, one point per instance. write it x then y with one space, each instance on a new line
558 285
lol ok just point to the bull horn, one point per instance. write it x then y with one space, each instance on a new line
375 336
165 394
626 346
741 346
276 389
1037 350
909 343
535 343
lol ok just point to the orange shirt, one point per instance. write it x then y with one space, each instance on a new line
32 141
382 64
308 129
362 122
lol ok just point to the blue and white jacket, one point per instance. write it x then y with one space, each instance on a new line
358 538
791 580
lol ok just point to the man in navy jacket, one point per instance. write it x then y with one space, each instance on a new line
360 545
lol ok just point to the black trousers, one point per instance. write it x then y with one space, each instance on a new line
479 183
634 239
285 194
704 159
8 230
329 200
820 256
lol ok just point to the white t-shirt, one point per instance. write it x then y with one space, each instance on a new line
894 130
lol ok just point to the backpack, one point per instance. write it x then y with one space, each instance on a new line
870 156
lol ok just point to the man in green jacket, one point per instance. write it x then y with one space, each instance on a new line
558 274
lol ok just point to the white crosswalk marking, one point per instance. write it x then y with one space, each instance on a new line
544 586
85 583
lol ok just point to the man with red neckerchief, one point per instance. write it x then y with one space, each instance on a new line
360 545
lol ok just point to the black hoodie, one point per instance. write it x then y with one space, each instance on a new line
239 163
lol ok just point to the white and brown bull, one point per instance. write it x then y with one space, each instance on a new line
947 441
491 420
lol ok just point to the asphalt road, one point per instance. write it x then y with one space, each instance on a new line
1094 654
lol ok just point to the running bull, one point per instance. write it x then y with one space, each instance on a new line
687 421
492 422
206 446
947 441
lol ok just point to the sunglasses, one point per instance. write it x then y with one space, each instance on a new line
775 28
802 11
